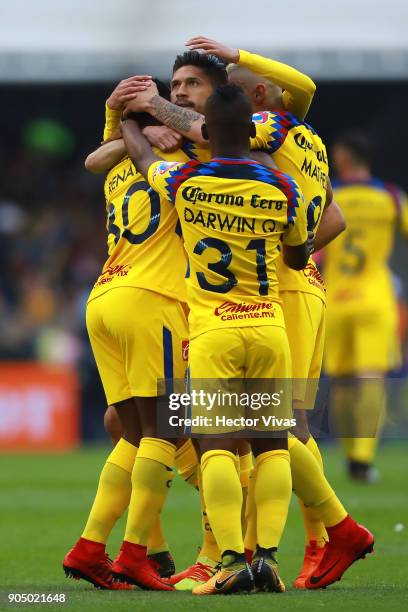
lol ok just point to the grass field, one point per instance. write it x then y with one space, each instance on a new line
45 501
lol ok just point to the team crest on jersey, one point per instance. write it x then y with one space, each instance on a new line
163 167
261 117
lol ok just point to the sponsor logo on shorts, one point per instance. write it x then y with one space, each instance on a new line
313 276
230 311
111 273
184 349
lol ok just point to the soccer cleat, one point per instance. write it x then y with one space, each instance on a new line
88 561
312 558
162 563
348 542
265 571
363 472
236 577
132 566
198 573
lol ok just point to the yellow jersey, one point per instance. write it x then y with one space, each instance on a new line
233 214
356 264
298 88
145 246
298 151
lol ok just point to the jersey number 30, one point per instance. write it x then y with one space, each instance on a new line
154 220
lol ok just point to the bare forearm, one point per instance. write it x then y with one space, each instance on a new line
332 224
106 157
183 120
138 148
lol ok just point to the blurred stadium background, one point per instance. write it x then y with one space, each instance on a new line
58 64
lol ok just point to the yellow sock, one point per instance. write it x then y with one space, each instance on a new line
343 400
223 498
152 476
364 450
311 486
209 546
246 465
187 463
369 419
250 514
273 490
113 494
314 449
314 528
156 542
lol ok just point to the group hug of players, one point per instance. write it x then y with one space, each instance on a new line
225 179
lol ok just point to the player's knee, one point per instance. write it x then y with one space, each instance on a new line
112 424
301 429
264 445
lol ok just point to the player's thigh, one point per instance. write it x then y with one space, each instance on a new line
267 352
268 374
375 334
216 365
303 319
152 333
339 343
219 353
305 325
107 353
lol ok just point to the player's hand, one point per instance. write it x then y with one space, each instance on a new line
310 242
162 137
140 102
212 47
128 89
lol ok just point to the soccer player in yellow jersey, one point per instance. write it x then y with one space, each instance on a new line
304 153
189 86
233 213
361 344
138 331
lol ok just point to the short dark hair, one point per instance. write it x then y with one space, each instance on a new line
228 117
211 65
145 119
231 100
359 143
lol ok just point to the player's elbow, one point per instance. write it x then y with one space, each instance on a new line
342 225
310 86
92 165
339 219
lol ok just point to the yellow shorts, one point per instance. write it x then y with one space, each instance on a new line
359 341
305 315
219 361
138 337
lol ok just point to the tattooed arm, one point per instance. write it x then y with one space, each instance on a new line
183 120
